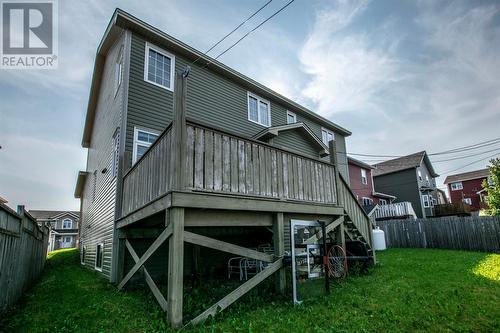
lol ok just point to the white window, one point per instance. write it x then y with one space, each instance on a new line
99 256
116 153
159 67
327 136
364 179
367 201
67 239
259 110
291 117
468 201
434 201
142 140
382 202
419 175
456 186
427 179
67 224
119 70
425 200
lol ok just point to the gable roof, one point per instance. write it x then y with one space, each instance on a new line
274 131
122 20
476 174
359 163
52 214
404 163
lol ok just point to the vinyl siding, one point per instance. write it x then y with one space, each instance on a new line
403 185
211 99
58 222
296 141
98 215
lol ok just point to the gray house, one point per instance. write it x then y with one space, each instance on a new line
411 179
64 227
181 158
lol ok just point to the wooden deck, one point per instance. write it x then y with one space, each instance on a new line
221 163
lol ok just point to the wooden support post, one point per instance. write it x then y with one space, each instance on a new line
340 236
179 132
175 267
334 161
279 250
120 265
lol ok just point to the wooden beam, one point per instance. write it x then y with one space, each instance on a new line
156 244
333 159
175 267
279 249
226 247
340 238
150 209
152 285
140 233
330 227
239 292
226 218
232 201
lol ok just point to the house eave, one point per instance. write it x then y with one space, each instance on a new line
80 184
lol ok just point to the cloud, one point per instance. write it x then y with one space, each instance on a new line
403 85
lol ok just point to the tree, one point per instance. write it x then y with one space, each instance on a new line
492 186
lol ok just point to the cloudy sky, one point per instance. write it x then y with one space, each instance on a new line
403 76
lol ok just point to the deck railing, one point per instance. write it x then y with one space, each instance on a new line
395 210
219 162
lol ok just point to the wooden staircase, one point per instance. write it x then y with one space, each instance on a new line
358 226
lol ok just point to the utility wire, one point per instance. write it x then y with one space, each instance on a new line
466 165
257 27
466 156
234 30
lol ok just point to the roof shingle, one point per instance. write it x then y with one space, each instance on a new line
476 174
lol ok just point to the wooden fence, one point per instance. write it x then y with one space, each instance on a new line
473 233
23 249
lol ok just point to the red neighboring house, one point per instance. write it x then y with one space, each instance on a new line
467 187
361 182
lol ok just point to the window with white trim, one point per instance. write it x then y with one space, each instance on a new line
116 153
143 139
291 118
67 239
364 178
99 255
327 136
427 179
434 201
67 224
119 70
259 110
382 202
419 175
425 200
367 201
456 186
159 67
468 201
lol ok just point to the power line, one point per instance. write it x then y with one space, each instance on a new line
234 30
466 156
257 27
466 165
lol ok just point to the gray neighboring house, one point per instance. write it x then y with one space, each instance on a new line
410 178
64 227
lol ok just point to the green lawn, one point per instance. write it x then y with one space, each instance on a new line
411 290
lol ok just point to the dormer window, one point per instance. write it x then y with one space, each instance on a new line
259 110
291 118
327 136
364 178
67 224
159 67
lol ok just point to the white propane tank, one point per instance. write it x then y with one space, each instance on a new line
378 239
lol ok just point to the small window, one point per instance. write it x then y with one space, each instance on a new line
327 136
259 110
434 201
116 153
82 255
419 175
67 224
143 139
119 70
425 200
382 202
67 239
364 179
427 179
468 201
99 256
159 66
367 201
291 118
456 186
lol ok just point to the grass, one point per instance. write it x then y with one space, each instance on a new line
411 290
